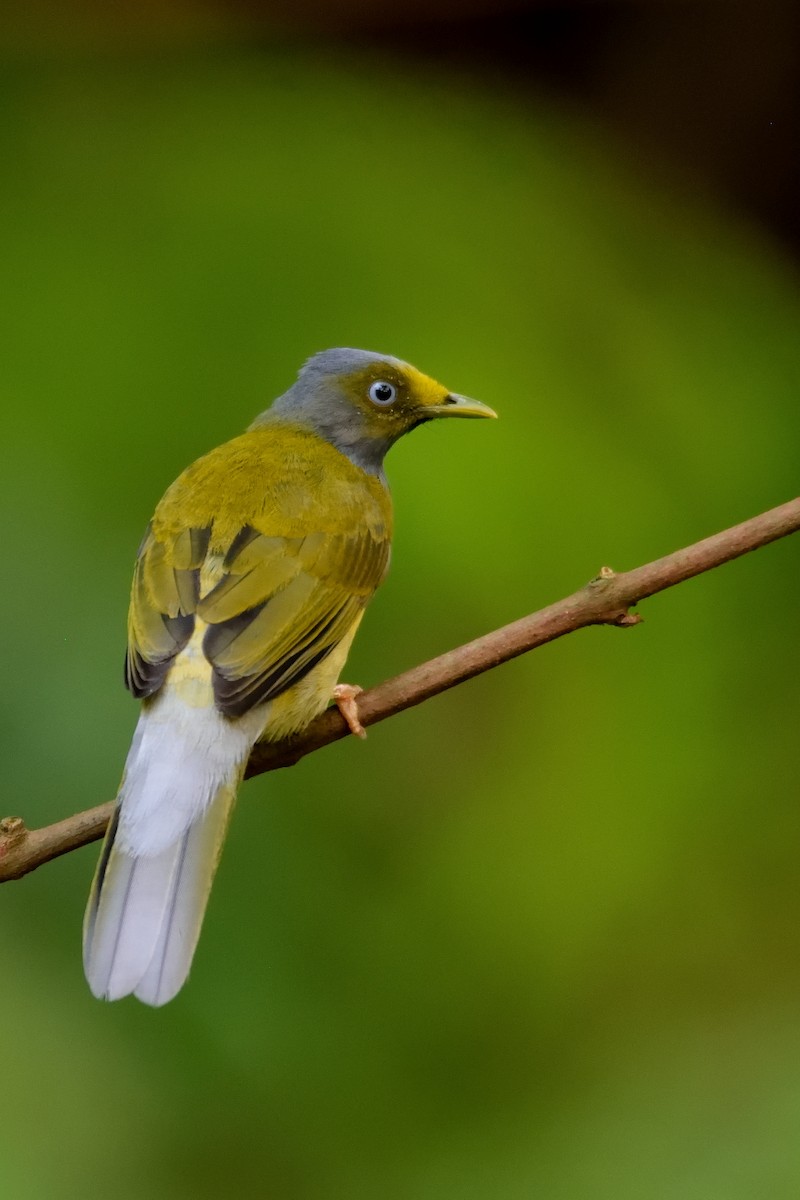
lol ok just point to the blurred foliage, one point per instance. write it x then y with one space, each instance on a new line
538 937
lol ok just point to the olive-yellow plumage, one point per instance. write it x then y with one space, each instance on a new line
249 586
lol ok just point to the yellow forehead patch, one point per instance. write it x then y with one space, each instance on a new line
426 391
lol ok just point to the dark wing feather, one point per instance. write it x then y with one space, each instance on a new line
282 605
164 596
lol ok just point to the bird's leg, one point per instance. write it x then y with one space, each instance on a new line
344 697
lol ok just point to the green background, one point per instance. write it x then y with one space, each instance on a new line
541 936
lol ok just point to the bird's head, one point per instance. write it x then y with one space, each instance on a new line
363 402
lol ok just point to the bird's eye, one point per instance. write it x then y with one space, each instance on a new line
382 393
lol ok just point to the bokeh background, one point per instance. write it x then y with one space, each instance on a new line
541 936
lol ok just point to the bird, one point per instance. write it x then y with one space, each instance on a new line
249 585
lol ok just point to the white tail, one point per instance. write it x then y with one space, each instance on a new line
162 848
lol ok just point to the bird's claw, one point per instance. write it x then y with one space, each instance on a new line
344 697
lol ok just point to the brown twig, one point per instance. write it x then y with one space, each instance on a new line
606 600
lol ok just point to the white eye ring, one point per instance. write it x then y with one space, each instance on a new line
382 393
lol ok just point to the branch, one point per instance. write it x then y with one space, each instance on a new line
604 601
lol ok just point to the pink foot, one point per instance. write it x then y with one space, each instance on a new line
344 697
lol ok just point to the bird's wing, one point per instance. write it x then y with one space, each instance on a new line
279 587
164 595
282 605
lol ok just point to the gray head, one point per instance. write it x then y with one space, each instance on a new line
363 402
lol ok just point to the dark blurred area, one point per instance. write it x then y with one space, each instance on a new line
710 89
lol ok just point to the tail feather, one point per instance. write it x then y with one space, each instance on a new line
145 913
162 848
